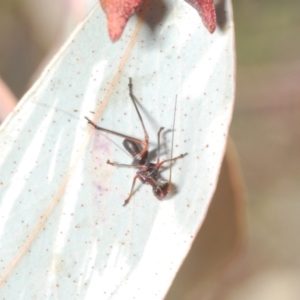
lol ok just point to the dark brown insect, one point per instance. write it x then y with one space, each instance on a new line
147 172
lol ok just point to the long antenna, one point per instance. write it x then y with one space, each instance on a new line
170 177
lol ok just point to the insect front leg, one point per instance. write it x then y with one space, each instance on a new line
171 159
140 167
158 143
120 165
132 188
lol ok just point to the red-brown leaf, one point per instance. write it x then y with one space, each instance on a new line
117 13
206 10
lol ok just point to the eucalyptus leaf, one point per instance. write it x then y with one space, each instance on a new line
64 233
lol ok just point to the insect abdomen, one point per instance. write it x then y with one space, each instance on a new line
131 147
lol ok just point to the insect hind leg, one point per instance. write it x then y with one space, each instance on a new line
146 136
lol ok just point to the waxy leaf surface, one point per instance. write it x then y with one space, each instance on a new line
64 233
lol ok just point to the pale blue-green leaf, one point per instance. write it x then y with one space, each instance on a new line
64 233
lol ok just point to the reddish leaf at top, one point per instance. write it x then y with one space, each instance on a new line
117 13
206 10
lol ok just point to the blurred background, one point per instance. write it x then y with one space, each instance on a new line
265 131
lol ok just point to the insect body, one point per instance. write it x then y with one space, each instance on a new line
147 172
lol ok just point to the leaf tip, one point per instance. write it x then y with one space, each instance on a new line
117 13
206 10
